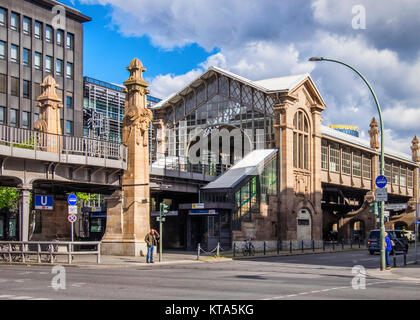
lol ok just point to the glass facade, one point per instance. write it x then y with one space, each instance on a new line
220 103
247 195
254 191
103 109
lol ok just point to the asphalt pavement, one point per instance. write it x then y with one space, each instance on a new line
341 275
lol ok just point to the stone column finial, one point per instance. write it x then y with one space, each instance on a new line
137 116
415 149
49 104
374 134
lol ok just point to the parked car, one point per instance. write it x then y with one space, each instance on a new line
410 235
400 241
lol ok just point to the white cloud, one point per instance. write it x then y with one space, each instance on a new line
216 23
255 60
402 117
164 85
267 39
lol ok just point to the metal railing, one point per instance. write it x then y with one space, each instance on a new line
60 144
45 251
181 163
241 248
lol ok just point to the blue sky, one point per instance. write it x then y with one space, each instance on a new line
107 52
178 40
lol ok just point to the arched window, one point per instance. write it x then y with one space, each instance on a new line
300 141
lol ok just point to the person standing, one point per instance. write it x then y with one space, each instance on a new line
151 240
388 249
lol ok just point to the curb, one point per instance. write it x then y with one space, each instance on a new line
293 254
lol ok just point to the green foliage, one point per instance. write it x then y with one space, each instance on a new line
9 197
27 144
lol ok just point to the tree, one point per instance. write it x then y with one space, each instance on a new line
9 198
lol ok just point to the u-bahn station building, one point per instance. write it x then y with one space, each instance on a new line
231 157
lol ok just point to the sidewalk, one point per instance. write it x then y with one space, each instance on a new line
410 272
168 257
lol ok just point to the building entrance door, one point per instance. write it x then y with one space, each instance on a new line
196 231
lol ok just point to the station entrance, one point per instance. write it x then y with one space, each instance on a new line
208 227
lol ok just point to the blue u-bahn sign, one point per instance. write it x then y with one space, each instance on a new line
43 202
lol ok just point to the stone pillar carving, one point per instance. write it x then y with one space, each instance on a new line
49 116
415 149
374 134
127 228
160 138
415 157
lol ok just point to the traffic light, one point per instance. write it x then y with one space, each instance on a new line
164 209
375 207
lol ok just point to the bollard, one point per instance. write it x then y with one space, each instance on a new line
291 249
351 243
218 249
198 252
313 245
333 245
405 258
38 250
234 249
278 247
395 260
359 243
323 245
265 247
302 246
342 244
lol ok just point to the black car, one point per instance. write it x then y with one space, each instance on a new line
397 236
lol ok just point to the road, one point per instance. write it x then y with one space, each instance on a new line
312 276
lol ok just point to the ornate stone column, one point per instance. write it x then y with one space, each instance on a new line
49 116
416 158
127 228
374 143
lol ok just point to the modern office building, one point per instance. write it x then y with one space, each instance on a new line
103 109
35 43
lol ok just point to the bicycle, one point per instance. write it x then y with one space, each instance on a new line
248 248
51 256
4 252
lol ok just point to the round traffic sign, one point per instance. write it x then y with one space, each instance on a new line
381 181
72 218
72 199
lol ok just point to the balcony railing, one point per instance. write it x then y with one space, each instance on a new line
182 164
28 143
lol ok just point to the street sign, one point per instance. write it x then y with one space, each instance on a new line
169 214
396 206
203 212
381 181
198 206
72 199
381 195
43 202
72 218
72 209
158 219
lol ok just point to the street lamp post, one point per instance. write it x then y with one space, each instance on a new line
382 150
